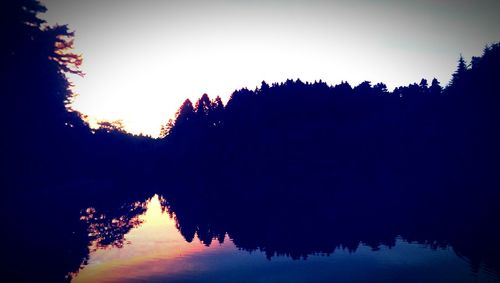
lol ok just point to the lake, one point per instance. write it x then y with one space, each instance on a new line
108 235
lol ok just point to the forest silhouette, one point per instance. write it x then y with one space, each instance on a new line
423 160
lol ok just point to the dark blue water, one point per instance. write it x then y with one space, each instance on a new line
103 232
156 251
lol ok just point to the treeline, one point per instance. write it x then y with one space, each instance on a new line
338 136
295 129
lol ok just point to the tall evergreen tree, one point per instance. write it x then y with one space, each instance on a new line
460 73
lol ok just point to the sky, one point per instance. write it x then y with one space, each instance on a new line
142 59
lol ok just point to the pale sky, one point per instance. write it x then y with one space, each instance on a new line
142 59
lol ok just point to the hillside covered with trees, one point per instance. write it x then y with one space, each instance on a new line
417 135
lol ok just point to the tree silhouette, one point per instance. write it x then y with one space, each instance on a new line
43 139
435 88
416 132
424 86
35 92
460 73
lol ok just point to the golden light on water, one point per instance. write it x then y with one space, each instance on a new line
154 247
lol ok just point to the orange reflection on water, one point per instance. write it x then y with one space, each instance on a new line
155 247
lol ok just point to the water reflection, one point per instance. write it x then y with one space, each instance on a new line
118 232
155 248
152 248
105 230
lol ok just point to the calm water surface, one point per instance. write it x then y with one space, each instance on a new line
154 250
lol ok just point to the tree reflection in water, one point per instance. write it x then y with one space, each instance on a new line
109 230
301 227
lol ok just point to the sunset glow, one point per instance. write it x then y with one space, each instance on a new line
156 246
143 59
